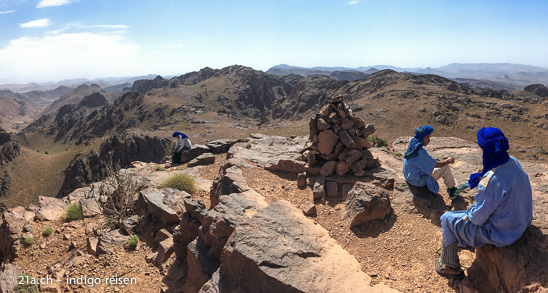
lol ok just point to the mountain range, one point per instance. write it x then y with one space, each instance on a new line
486 75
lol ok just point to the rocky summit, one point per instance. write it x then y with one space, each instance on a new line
293 183
243 229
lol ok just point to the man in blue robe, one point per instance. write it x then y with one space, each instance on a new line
503 206
420 169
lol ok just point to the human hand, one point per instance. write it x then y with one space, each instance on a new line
450 160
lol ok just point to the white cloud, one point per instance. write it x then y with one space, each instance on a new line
50 3
112 26
6 12
36 23
353 2
74 55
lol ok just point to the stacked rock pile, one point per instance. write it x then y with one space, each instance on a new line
338 141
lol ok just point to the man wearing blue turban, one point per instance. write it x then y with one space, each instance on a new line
503 206
420 169
183 143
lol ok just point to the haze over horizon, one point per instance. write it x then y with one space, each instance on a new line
52 40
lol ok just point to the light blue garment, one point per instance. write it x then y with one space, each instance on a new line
503 209
417 171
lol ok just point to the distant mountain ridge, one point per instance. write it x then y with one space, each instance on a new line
487 75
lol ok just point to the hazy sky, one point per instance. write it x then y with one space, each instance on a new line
51 40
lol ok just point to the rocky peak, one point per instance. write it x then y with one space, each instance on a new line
537 89
93 100
144 85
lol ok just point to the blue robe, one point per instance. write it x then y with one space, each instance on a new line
503 209
417 171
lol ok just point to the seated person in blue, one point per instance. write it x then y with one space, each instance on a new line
420 169
503 206
182 143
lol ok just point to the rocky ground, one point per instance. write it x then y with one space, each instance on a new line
398 251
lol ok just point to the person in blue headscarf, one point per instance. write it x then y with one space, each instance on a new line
420 169
182 143
503 206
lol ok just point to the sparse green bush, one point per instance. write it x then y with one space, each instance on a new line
180 181
398 154
159 168
377 141
29 241
47 232
132 242
74 212
28 284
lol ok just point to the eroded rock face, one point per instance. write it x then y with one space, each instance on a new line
11 229
280 250
115 153
520 267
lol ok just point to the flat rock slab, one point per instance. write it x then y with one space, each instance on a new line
280 250
267 150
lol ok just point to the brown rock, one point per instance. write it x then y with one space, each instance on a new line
322 124
328 139
332 189
203 159
359 165
328 168
366 203
165 249
301 180
309 209
90 207
51 209
318 191
151 203
347 139
91 245
109 241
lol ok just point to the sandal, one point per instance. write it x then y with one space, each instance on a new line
447 272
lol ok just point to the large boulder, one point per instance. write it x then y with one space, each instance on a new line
11 229
520 267
51 209
280 250
108 242
366 203
155 204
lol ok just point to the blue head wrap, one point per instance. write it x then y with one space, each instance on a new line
416 143
494 145
176 133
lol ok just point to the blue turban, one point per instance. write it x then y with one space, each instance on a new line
494 145
416 143
176 133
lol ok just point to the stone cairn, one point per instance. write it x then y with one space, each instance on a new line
338 141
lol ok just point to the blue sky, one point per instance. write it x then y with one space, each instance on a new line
51 40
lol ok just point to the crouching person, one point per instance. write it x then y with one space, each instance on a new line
182 143
503 206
